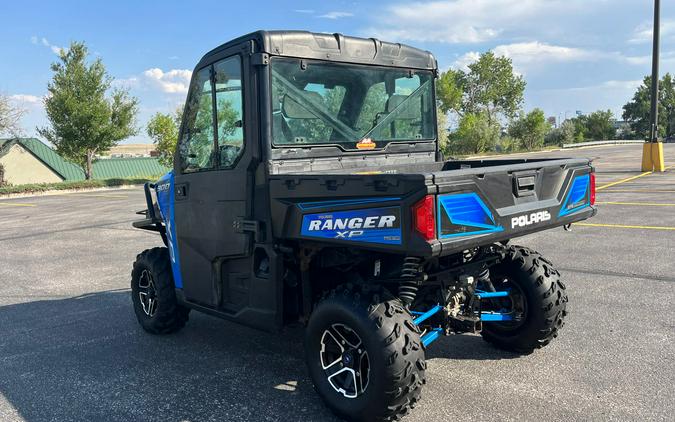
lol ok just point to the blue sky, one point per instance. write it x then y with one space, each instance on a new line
574 54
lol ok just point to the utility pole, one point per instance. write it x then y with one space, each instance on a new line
652 152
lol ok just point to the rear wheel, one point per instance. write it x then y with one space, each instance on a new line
153 293
364 354
538 300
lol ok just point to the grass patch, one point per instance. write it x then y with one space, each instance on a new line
84 184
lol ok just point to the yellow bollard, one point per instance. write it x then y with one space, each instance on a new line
647 163
657 156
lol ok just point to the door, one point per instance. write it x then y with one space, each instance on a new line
211 180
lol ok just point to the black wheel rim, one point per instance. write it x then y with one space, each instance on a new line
147 293
515 304
344 361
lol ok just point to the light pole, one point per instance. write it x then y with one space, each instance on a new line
652 152
654 113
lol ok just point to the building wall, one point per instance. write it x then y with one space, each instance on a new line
21 167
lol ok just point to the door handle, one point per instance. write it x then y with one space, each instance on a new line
181 191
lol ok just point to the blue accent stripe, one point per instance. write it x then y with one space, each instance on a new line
578 196
469 210
494 230
340 202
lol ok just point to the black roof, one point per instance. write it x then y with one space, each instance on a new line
334 47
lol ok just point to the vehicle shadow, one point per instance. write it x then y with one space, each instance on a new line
466 347
86 358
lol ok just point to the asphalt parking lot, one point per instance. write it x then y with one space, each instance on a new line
70 347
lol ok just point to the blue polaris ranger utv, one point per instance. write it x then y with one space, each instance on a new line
308 187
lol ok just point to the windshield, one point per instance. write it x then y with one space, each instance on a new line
355 107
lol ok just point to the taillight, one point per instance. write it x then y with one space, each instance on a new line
424 218
592 187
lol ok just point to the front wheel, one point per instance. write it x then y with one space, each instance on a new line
537 297
364 354
153 293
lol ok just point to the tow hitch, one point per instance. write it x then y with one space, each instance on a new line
474 315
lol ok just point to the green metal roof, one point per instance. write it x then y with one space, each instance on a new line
119 168
65 169
106 168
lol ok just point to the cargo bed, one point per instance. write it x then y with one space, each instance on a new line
476 202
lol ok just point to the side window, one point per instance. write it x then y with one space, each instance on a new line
196 144
229 110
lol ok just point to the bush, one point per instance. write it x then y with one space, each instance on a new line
84 184
530 129
475 134
507 144
562 135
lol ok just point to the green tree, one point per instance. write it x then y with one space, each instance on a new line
83 119
599 125
579 123
442 129
491 87
475 134
449 92
162 128
561 135
530 129
10 117
636 112
482 97
567 130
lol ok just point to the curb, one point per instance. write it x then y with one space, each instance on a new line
66 191
609 142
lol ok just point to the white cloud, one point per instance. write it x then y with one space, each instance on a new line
35 40
464 21
463 62
131 82
306 11
644 32
528 52
26 99
174 81
336 15
527 55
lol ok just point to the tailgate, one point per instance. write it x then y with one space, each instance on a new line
488 201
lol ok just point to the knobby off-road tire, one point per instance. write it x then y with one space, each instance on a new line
546 302
153 293
395 354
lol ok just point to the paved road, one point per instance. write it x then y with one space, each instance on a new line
70 348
